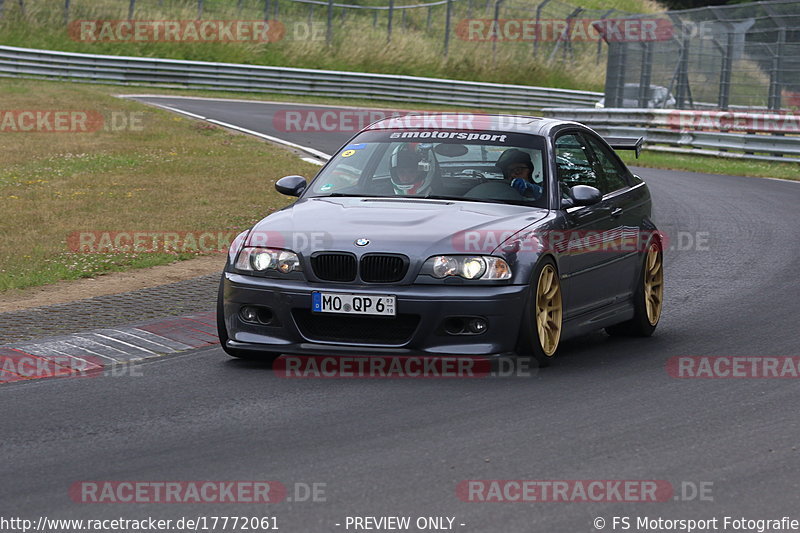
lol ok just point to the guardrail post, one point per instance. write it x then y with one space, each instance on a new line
600 41
538 32
22 7
329 29
615 73
266 10
131 9
497 5
447 16
645 73
66 11
725 73
2 7
239 7
199 9
566 36
428 22
683 91
389 22
275 10
774 101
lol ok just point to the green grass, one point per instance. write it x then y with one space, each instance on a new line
714 165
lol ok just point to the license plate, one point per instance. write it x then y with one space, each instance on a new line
352 304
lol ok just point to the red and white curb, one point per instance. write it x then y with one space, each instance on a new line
91 351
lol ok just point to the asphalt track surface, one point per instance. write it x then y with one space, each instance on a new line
607 409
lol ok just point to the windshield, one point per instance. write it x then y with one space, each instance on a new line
455 165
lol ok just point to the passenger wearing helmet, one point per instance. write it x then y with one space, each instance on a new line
412 167
517 167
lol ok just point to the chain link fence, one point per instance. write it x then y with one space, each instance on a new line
450 22
726 57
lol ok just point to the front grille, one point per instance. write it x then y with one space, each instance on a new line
383 268
355 329
334 266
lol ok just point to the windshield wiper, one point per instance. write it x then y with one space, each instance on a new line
479 200
346 195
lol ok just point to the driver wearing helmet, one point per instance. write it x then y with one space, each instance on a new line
517 167
412 167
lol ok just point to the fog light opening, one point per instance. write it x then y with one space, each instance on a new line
454 325
265 315
249 314
478 325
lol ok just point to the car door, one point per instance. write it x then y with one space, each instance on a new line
588 281
627 210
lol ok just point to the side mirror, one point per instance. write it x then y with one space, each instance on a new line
291 185
585 195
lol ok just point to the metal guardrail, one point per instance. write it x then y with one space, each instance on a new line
756 136
123 70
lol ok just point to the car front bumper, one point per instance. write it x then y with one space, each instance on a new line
418 328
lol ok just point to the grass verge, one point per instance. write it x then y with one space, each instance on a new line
714 165
167 174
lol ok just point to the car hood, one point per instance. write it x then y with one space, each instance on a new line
416 227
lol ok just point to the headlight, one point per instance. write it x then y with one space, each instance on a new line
445 266
473 267
287 262
268 259
469 267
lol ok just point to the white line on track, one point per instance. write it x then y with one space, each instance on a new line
240 100
311 151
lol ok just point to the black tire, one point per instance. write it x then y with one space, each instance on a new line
222 332
529 343
642 323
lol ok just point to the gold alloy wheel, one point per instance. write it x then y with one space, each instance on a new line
548 310
653 284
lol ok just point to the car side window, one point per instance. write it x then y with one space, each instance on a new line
573 164
613 175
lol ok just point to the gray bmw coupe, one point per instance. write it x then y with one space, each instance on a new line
470 235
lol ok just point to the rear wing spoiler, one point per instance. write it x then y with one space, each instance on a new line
626 143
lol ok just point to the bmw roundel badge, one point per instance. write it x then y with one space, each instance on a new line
362 242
